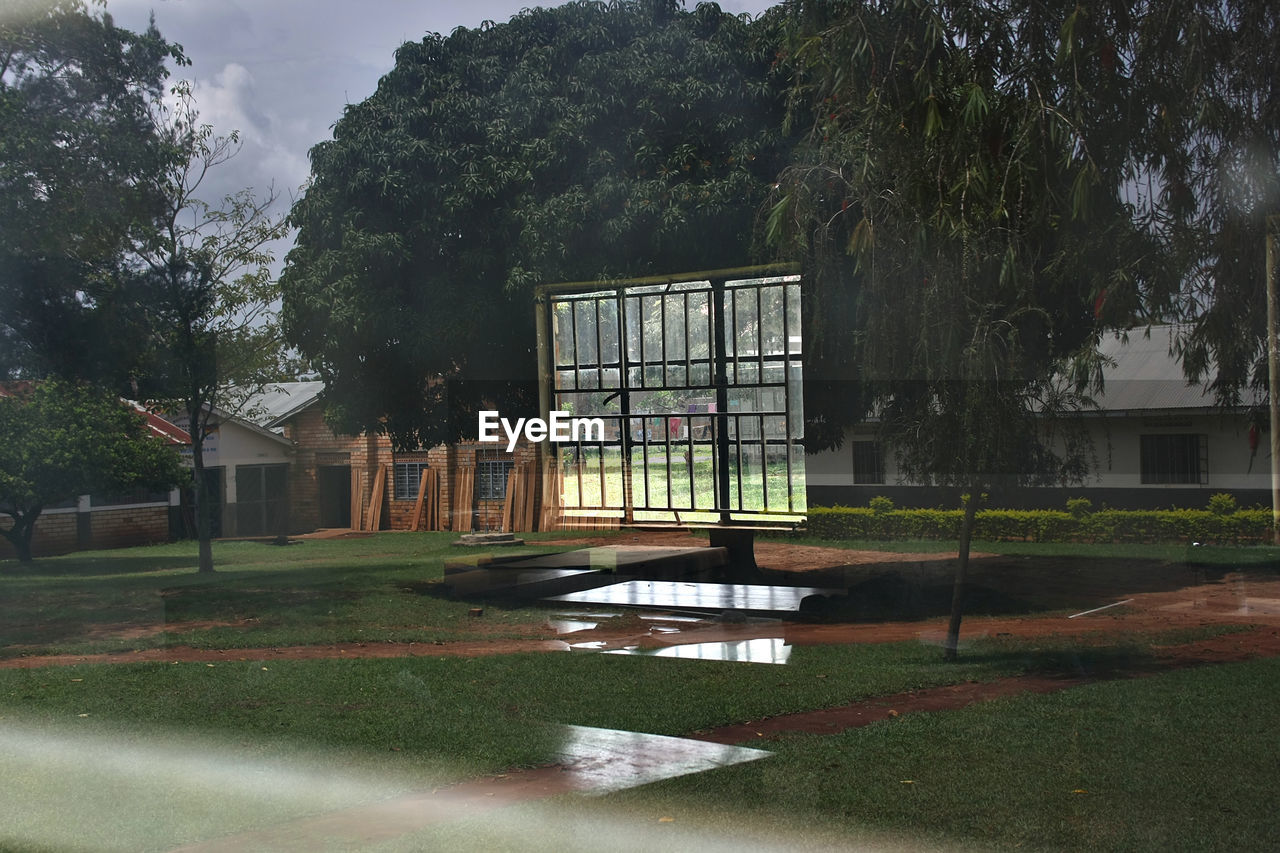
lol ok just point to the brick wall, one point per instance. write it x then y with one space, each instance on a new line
317 445
118 528
63 532
445 460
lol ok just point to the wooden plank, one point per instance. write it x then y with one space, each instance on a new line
464 479
529 493
356 503
433 500
375 500
508 501
550 500
418 504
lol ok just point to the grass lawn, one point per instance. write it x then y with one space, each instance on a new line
151 756
1185 760
316 591
1182 761
1239 556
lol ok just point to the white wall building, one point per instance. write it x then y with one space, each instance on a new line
1158 441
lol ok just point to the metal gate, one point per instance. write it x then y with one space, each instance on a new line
697 379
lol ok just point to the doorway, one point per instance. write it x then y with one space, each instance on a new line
334 486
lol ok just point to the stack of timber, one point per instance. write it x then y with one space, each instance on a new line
464 480
551 497
590 522
426 511
554 516
357 506
374 518
518 509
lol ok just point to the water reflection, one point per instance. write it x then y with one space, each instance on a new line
604 760
763 650
697 596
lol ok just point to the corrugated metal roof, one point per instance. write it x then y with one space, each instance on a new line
1144 374
281 400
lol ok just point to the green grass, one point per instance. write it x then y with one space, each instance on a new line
317 591
1185 760
1182 761
157 755
378 589
1264 556
690 486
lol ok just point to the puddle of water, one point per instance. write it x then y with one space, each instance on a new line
763 650
1261 605
601 761
663 629
670 617
569 626
590 646
696 596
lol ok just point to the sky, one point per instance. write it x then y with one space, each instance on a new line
281 71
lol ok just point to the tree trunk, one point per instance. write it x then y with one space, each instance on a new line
19 536
204 533
962 571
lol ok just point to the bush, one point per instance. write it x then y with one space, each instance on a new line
881 504
1106 525
1222 504
1079 507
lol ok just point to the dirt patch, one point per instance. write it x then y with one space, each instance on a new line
137 632
771 555
186 654
1153 598
1226 648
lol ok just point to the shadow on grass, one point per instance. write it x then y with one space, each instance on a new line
1100 662
890 597
1003 584
79 566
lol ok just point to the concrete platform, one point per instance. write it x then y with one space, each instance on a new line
699 597
639 561
501 580
572 571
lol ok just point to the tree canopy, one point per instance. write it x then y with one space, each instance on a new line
1207 144
201 291
963 207
59 440
587 141
76 148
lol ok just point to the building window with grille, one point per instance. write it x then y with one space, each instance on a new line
407 476
1175 459
868 463
492 468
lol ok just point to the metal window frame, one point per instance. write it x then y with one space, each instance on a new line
652 355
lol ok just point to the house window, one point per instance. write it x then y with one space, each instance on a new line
1175 459
407 476
868 463
491 475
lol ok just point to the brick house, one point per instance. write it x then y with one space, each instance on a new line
359 482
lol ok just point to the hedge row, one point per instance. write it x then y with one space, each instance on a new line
1111 525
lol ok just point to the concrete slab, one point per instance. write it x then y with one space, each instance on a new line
632 560
600 761
761 650
525 583
706 597
570 571
590 761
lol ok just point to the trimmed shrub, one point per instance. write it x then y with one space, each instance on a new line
1106 525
